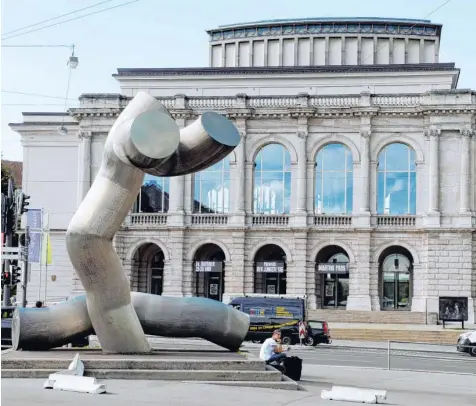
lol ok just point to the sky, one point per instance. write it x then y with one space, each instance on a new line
164 34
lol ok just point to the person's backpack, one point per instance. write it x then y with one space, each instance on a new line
293 368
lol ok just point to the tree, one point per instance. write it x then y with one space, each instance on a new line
6 174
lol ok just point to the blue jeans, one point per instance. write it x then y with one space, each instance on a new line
277 357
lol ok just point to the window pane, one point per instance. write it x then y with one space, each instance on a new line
272 157
318 193
287 193
211 189
381 193
412 193
350 192
154 195
334 157
396 194
412 160
334 192
397 157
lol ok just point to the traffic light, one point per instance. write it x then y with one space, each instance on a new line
6 278
24 203
15 274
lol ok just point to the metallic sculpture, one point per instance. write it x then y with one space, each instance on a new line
144 139
46 328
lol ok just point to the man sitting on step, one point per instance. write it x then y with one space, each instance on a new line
271 350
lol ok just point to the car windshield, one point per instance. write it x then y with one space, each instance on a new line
7 313
315 324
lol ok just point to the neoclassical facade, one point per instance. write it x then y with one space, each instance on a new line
353 184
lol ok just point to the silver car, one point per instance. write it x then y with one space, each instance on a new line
467 343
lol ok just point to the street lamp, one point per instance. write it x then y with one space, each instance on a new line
73 61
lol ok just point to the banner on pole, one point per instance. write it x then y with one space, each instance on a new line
47 258
34 248
34 219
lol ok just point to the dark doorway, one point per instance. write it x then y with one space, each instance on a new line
396 266
270 270
156 268
332 278
209 271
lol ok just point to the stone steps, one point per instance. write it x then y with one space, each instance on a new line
382 317
422 336
153 374
135 364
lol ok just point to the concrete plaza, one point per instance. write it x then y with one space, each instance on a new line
404 389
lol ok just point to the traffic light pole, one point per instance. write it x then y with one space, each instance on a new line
8 243
24 274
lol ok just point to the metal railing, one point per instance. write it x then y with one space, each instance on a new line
435 354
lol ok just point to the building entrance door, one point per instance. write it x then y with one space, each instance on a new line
336 290
396 291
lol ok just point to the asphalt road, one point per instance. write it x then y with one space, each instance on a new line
409 360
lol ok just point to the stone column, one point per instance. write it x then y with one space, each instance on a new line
465 181
433 172
188 279
175 270
249 166
237 182
84 165
300 212
235 268
176 194
359 275
365 172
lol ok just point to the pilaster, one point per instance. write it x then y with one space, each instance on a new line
177 195
235 269
433 215
300 214
359 273
465 215
237 179
84 164
174 269
363 219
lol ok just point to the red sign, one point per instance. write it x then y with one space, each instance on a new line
302 330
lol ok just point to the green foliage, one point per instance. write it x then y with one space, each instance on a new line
6 173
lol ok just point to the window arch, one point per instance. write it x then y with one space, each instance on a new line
396 185
153 196
212 188
272 180
334 180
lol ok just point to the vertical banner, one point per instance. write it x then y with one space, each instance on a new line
34 249
34 219
47 255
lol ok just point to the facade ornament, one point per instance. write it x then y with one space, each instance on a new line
84 134
365 134
302 134
242 133
433 132
467 132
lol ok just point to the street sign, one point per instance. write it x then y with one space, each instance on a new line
302 330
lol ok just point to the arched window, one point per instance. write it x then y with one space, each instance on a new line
272 180
396 186
334 180
212 189
153 196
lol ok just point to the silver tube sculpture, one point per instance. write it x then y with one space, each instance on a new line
50 327
144 139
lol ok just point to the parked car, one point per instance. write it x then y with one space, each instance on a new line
270 313
7 316
317 333
467 343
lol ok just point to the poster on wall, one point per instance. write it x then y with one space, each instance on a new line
214 289
208 266
271 289
453 308
270 267
329 291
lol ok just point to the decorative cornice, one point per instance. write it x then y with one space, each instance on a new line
467 132
85 134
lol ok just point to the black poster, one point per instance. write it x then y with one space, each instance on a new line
208 266
270 267
453 308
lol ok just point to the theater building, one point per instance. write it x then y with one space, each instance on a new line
353 184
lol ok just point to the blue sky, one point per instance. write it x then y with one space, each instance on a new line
160 33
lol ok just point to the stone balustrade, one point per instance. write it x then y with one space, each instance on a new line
153 220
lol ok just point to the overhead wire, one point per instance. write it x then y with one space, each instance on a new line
71 19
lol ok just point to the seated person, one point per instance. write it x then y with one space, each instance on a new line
271 350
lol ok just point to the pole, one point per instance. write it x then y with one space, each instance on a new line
8 241
24 275
388 355
41 256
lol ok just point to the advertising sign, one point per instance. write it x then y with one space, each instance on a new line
333 267
270 267
208 266
453 309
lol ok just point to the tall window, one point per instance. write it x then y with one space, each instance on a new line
396 186
153 196
212 189
334 180
272 180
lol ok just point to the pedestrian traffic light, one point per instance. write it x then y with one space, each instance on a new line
5 278
15 274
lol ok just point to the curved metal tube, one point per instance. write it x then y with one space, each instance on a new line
143 139
46 328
